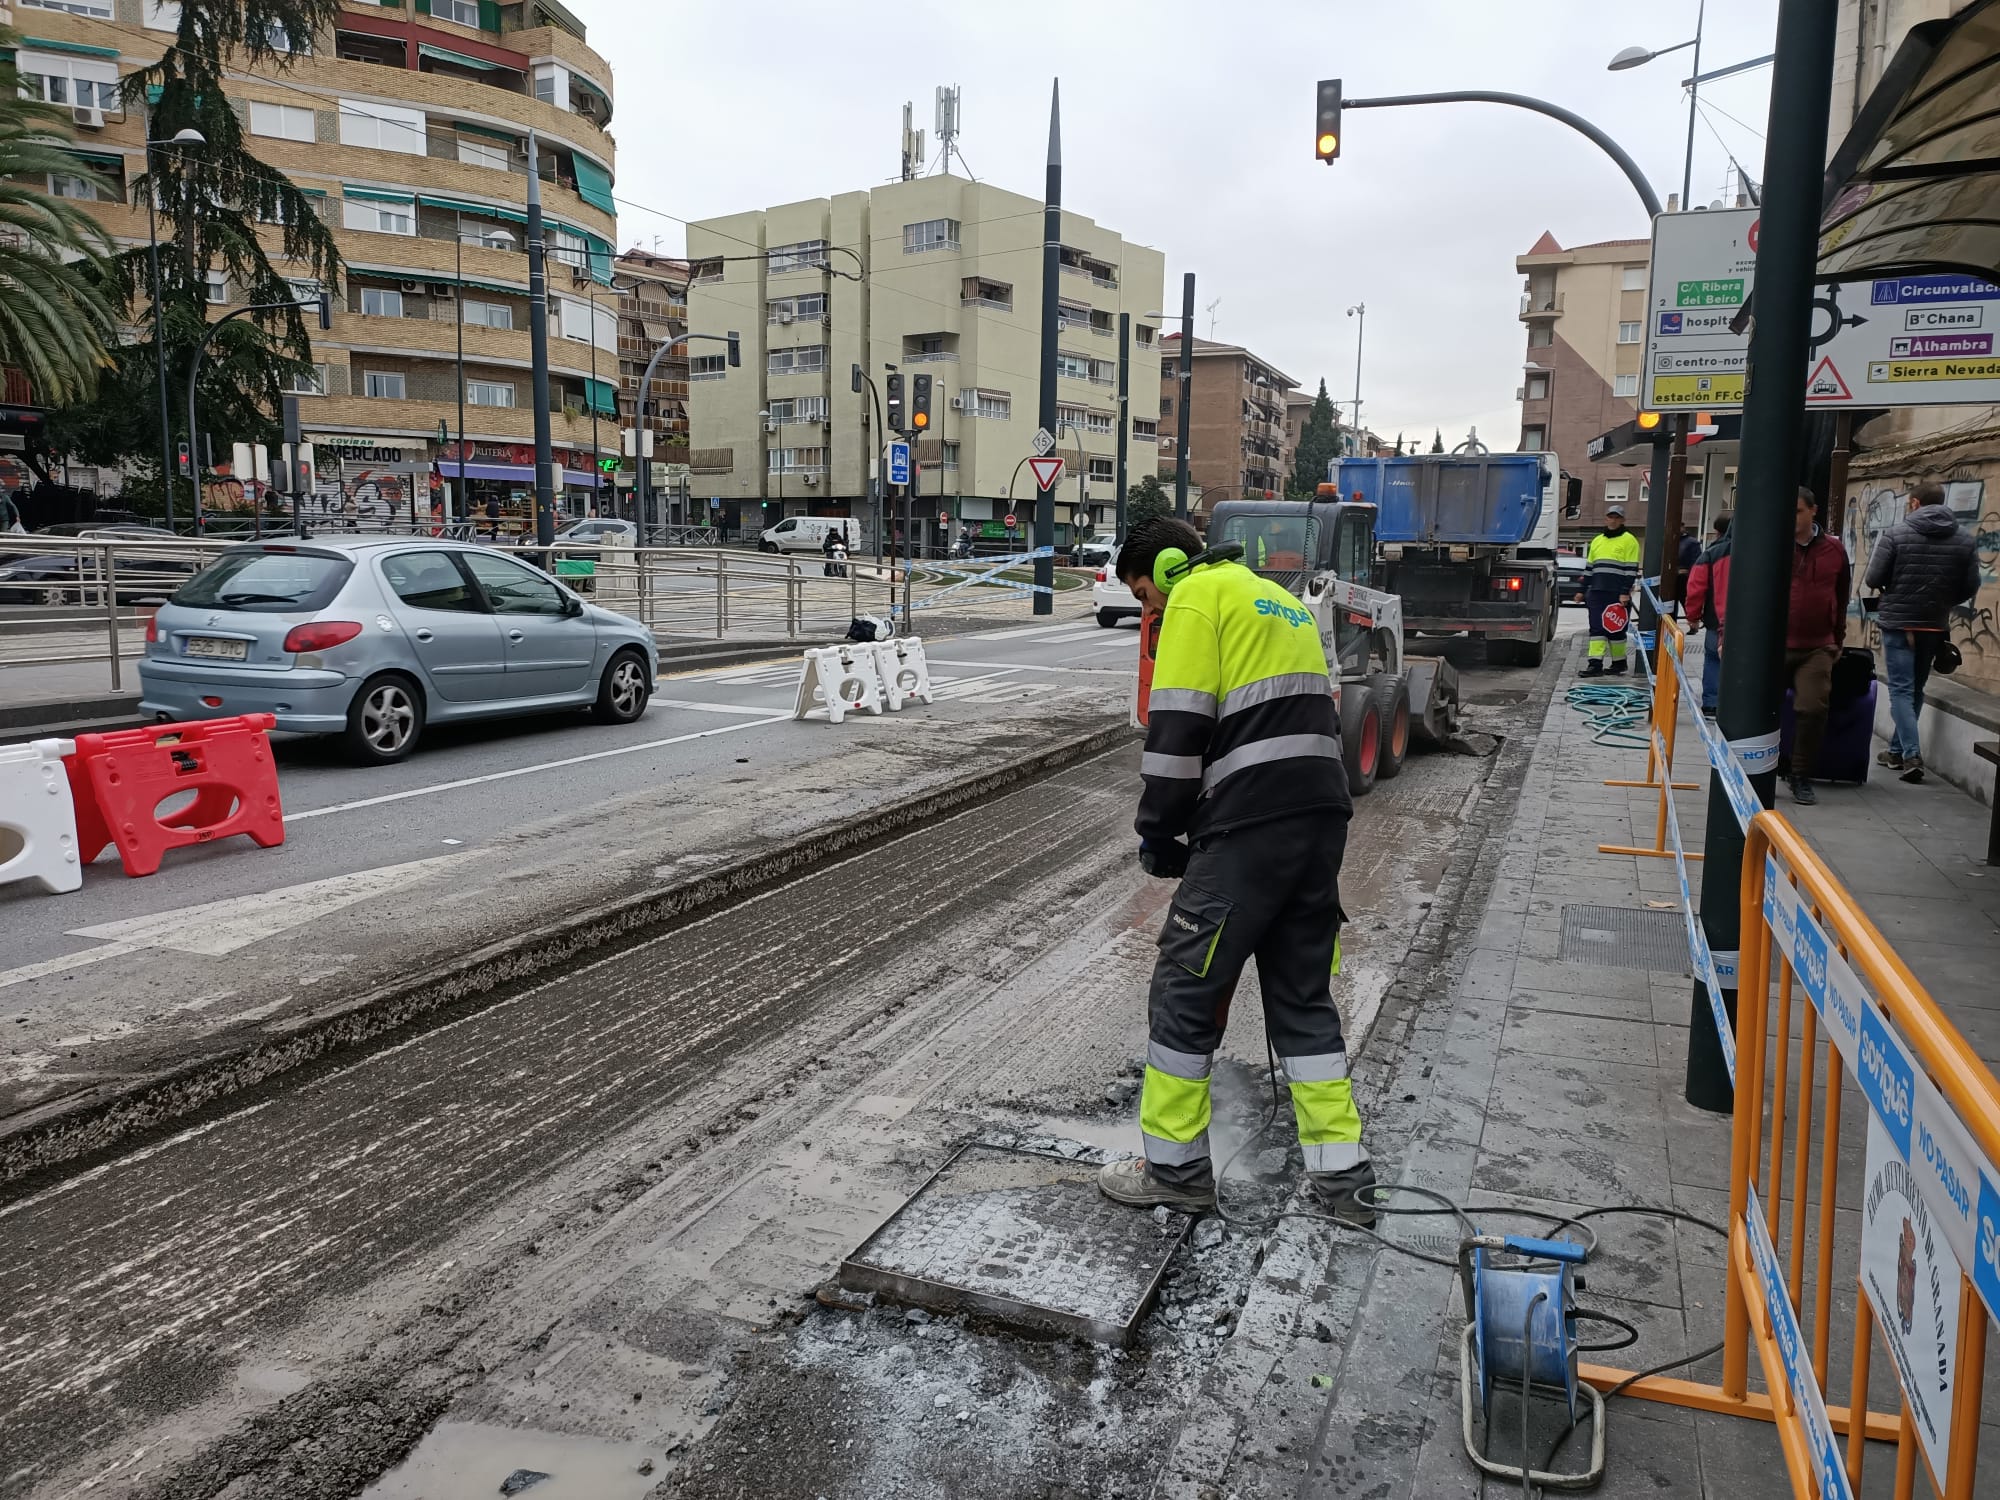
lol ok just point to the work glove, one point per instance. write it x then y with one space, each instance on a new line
1168 861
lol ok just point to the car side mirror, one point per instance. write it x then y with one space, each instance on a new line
572 606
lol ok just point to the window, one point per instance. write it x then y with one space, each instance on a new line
1625 385
102 9
287 122
806 255
383 385
791 309
1540 335
948 455
487 236
383 127
980 292
1143 335
1617 491
1634 279
488 314
570 249
1072 366
280 40
805 360
1538 388
62 185
1531 439
1145 431
489 393
1101 468
795 460
381 302
302 290
482 153
552 85
708 367
1628 333
382 218
217 287
161 15
309 383
994 404
465 12
932 234
798 409
430 580
79 82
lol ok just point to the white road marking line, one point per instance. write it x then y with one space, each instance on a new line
547 765
1034 666
66 962
711 708
1022 631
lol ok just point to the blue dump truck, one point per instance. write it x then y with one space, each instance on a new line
1467 541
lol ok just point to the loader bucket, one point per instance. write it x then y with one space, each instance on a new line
1433 700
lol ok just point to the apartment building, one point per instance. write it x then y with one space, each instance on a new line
935 275
1240 442
652 309
408 125
1585 311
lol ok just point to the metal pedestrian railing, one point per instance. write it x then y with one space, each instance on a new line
1926 1248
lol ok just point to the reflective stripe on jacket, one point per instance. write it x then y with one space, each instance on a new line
1242 724
1611 564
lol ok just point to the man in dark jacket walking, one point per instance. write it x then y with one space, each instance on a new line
1923 565
1814 628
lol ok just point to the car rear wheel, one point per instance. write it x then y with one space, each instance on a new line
54 596
384 721
623 690
1109 618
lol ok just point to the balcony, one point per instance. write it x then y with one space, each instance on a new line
1541 305
935 356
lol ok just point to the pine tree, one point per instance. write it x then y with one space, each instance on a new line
1437 440
1146 500
1319 445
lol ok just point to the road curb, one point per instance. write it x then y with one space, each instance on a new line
92 1127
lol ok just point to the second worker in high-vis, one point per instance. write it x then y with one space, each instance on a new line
1246 801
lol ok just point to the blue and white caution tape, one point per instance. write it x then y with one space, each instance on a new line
988 572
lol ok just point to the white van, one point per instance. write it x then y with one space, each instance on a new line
807 533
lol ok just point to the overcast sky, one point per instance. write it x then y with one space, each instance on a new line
1187 125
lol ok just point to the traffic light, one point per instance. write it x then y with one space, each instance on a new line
1326 138
181 456
893 396
920 403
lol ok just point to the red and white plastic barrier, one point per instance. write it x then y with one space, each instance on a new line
121 780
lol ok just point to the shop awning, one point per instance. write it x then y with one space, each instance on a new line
466 206
110 159
593 185
1915 187
445 54
514 473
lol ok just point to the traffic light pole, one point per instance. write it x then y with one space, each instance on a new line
1124 417
1045 500
1185 398
1761 547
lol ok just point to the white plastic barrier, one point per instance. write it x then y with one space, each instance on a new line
37 816
904 672
840 679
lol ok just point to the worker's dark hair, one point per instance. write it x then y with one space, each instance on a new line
1928 492
1148 540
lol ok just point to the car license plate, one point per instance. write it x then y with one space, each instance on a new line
216 647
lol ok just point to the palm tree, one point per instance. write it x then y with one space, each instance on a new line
56 310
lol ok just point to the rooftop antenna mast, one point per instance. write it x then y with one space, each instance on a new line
1211 317
913 143
949 123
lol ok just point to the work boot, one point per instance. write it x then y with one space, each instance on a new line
1913 770
1592 668
1890 759
1132 1182
1803 793
1618 668
1349 1193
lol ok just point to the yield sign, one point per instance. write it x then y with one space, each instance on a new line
1825 384
1047 471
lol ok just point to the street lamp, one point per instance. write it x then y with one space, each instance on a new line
771 426
1634 57
1185 389
183 139
1360 311
324 302
491 241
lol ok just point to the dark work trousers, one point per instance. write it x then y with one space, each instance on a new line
1602 641
1269 892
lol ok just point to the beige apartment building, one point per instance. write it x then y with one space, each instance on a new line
939 276
1585 310
1239 441
652 310
409 125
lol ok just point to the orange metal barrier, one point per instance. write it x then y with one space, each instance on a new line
1666 720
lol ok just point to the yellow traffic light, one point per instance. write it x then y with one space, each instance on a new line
920 420
1326 140
1328 144
1648 420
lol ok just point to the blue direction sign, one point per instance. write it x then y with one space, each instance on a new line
899 463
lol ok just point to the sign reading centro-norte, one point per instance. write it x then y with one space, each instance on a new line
1894 341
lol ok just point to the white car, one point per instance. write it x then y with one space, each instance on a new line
1110 598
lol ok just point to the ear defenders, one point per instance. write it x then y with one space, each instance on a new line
1172 565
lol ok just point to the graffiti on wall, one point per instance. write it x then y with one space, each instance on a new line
1974 624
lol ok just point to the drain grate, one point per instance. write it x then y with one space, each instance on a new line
1622 937
1025 1238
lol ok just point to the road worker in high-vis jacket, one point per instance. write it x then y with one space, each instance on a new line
1610 574
1246 802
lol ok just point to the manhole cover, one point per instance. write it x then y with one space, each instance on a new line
1621 937
1025 1238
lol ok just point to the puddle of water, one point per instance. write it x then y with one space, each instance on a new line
470 1460
1114 1133
273 1380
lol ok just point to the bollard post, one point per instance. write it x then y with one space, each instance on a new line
108 575
721 592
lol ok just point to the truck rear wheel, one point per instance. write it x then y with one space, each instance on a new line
1391 697
1361 734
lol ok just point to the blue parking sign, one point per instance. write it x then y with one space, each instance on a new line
899 463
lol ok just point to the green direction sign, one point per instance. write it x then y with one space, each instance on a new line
1727 293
